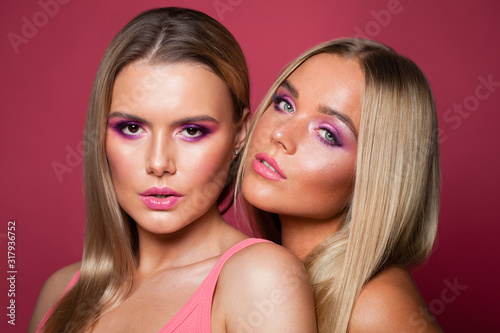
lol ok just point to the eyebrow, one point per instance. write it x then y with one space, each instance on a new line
323 108
288 86
195 119
118 114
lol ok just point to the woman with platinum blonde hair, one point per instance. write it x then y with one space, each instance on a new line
167 117
342 168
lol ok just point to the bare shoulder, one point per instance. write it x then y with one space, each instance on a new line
51 292
265 288
391 302
267 263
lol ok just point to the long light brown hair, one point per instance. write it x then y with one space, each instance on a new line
393 212
165 36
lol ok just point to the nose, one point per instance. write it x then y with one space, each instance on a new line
161 156
285 134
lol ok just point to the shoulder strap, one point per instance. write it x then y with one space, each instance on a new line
47 315
229 253
73 281
211 281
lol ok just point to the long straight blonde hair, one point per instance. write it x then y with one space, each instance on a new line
166 36
393 212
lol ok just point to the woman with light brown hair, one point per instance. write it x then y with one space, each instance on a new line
167 118
342 168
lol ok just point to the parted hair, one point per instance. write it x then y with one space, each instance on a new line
159 36
392 215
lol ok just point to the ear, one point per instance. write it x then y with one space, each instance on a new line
242 130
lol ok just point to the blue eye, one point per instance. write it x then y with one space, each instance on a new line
328 137
282 104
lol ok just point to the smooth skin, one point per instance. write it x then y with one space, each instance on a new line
311 131
159 139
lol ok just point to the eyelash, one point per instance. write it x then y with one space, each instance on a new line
334 142
203 131
278 99
122 125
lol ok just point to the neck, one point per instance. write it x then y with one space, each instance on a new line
302 235
198 241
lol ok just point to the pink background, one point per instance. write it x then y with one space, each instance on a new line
46 84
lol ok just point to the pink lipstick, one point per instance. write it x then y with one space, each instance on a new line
160 198
267 167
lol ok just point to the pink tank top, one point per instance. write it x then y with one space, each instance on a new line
195 315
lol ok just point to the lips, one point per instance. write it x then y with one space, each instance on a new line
267 167
160 198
